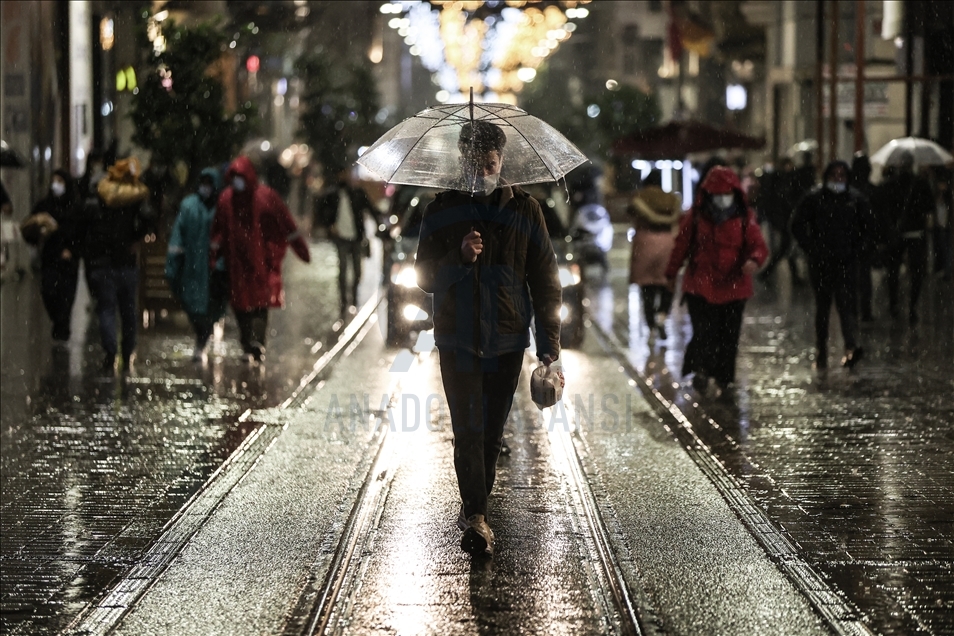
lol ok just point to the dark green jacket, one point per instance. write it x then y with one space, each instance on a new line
485 307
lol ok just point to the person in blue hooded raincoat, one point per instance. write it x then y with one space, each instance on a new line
202 293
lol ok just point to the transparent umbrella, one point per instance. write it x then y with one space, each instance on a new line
925 152
423 150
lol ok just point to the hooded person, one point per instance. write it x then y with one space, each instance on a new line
722 246
59 253
251 232
835 228
113 223
200 287
655 217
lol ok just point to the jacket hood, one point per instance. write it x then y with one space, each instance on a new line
243 167
722 180
68 180
216 177
831 168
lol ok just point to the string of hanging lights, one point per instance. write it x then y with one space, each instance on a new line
494 47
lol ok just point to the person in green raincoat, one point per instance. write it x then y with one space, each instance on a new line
202 293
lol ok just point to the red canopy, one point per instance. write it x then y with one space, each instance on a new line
680 138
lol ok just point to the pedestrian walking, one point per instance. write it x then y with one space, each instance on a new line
111 225
201 288
59 252
835 227
859 179
487 258
655 219
342 210
722 246
909 198
777 202
944 207
251 232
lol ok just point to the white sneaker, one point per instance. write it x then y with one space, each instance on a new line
478 537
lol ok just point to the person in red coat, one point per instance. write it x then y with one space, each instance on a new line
251 230
722 246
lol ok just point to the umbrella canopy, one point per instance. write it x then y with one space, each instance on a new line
423 150
680 138
9 158
924 151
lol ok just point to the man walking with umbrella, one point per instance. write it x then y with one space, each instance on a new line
486 256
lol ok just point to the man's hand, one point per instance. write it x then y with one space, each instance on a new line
549 359
750 267
471 247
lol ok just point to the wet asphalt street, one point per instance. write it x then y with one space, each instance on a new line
199 499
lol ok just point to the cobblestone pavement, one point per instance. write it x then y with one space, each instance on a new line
852 470
93 468
855 469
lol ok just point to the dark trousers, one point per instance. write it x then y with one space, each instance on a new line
114 288
916 251
943 251
349 252
656 298
865 288
479 393
58 287
203 325
834 282
783 247
715 338
253 326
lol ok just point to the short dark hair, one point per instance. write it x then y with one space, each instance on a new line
483 136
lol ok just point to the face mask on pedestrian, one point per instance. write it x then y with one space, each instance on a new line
238 184
487 184
723 201
205 191
836 186
58 188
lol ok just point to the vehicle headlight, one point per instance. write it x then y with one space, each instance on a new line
413 312
404 275
569 275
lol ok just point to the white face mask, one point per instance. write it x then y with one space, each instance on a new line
238 184
58 188
835 186
723 201
486 185
205 191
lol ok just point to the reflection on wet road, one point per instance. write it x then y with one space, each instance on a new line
93 467
414 578
854 469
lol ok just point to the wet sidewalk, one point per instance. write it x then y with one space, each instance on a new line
845 478
93 468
